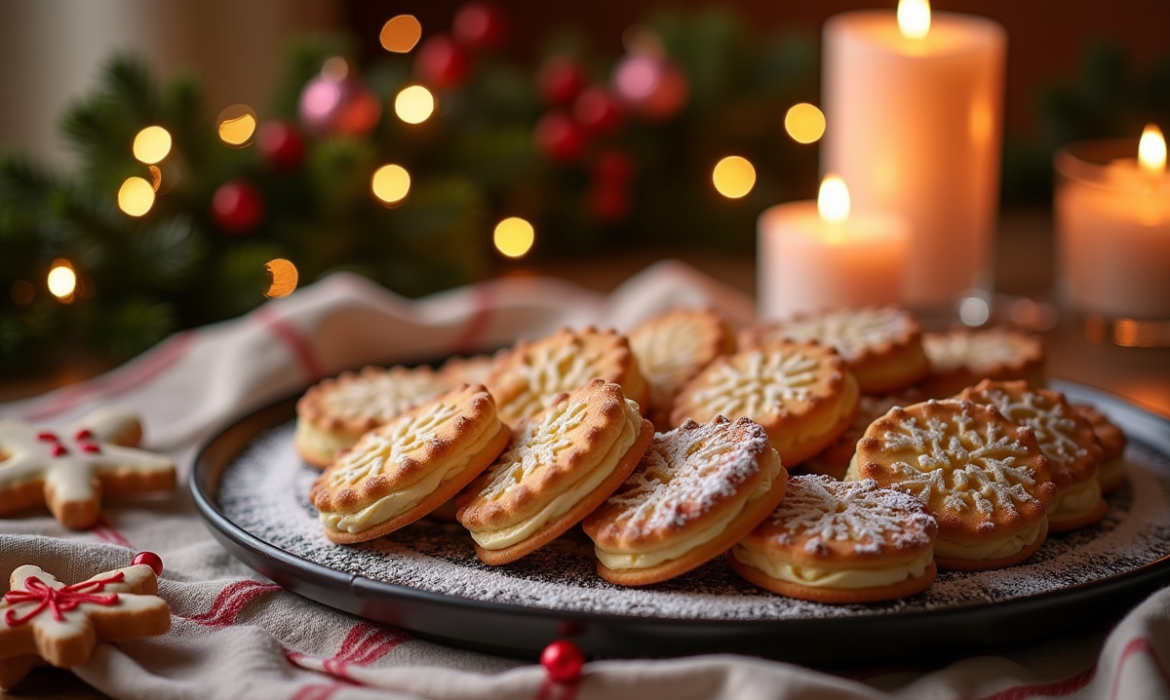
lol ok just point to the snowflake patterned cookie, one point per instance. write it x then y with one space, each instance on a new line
801 393
881 345
1065 438
560 465
982 477
840 542
334 413
44 619
1112 441
528 377
962 357
70 470
696 491
407 468
834 460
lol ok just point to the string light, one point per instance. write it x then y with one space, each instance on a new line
391 184
237 125
514 237
62 280
804 123
284 278
414 104
400 34
136 196
152 144
734 177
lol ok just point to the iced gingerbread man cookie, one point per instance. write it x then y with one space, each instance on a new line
71 469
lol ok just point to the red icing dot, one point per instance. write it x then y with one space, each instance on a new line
90 447
59 451
563 661
46 436
150 559
83 434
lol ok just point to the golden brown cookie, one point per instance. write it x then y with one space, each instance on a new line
881 345
696 491
672 347
801 393
834 460
963 357
458 371
407 468
836 541
529 376
1112 441
1065 438
334 413
982 477
560 465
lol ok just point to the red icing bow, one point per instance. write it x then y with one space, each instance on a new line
59 600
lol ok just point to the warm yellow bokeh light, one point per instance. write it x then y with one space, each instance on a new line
391 183
914 18
414 105
152 144
833 200
136 196
805 123
62 279
514 237
1152 150
284 278
400 34
237 125
734 177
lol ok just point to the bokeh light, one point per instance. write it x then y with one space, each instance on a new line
734 177
514 237
62 279
400 34
391 183
136 196
284 278
335 68
152 144
805 123
414 104
237 125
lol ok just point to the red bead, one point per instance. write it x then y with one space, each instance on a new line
59 450
559 137
563 661
151 559
560 80
598 110
281 145
47 436
91 448
480 25
237 206
83 434
442 63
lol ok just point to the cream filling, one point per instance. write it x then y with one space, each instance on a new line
816 577
322 442
398 502
508 536
618 561
997 548
1076 500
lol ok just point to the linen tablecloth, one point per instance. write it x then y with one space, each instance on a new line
235 634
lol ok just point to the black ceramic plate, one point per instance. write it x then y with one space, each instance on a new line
251 487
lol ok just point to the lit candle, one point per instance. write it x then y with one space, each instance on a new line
914 104
820 255
1113 218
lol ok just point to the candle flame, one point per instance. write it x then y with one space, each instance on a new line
833 200
1152 150
914 18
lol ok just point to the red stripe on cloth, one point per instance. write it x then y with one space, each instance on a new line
317 692
1058 689
231 601
107 532
294 339
1134 646
482 306
167 354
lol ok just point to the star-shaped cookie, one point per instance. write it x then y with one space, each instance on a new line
69 470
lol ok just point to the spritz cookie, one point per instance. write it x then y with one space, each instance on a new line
1112 441
698 490
840 542
334 413
963 357
801 393
407 468
834 460
531 374
560 465
982 477
672 347
1065 438
881 345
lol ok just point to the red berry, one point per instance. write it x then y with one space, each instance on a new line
83 434
479 26
150 559
613 167
598 110
237 206
563 661
560 80
441 62
59 450
281 145
47 436
559 137
91 447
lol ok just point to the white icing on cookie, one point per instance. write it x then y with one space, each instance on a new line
1053 424
850 331
537 445
764 383
977 350
392 445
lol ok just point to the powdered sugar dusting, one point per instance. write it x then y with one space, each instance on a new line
858 511
1053 424
850 331
758 383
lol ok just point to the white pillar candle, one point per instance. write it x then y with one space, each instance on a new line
914 127
811 261
1113 223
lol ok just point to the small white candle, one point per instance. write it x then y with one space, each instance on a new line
1113 219
815 256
